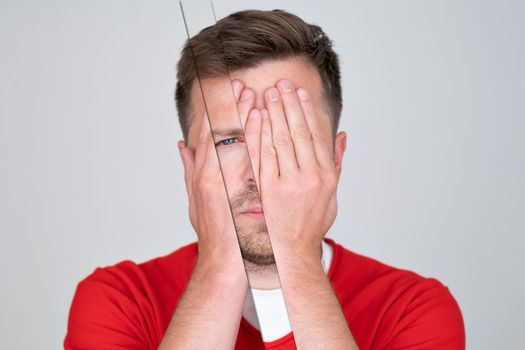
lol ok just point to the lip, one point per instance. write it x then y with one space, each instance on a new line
254 214
255 210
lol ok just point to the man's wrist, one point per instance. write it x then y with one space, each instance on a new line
221 269
299 255
297 268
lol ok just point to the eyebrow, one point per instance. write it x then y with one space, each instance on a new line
228 132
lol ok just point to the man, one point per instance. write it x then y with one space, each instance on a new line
286 89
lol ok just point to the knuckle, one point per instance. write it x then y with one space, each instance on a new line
318 136
268 150
282 139
302 134
205 183
314 182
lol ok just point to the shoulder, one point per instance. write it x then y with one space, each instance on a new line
366 272
405 307
115 303
127 276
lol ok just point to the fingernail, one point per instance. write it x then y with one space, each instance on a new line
303 95
264 114
246 94
286 86
273 94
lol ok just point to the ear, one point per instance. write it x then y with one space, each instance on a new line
340 147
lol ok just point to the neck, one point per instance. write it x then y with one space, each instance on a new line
262 277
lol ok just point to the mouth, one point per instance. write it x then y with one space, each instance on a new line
254 210
254 213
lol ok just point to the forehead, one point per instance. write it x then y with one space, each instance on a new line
301 72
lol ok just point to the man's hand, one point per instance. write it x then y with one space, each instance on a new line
218 285
298 173
208 204
298 181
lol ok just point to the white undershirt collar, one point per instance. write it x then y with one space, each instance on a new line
271 317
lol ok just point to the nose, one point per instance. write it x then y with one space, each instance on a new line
252 133
250 175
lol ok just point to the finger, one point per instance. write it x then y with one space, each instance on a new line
188 160
253 141
321 135
297 125
282 140
210 164
237 86
200 152
269 168
245 104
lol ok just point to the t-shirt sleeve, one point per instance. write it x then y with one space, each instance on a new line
431 320
104 313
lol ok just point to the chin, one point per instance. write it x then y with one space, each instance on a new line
256 247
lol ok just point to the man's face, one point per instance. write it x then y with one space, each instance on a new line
233 154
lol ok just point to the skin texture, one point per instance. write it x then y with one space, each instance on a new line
296 170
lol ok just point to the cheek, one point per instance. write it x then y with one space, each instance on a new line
233 155
235 165
234 160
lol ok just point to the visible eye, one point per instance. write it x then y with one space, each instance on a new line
226 142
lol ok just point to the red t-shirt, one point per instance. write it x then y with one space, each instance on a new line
129 305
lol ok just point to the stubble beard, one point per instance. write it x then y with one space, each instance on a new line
254 240
255 245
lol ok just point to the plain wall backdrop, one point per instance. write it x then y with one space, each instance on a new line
432 181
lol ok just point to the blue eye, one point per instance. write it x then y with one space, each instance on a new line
225 142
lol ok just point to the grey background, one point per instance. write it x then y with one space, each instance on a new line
432 179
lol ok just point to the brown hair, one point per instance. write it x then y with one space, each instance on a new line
245 39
